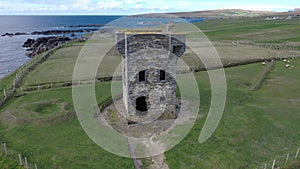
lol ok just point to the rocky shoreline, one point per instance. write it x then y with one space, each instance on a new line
54 38
40 45
51 32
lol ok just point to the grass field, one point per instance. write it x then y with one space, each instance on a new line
54 142
6 83
7 163
255 29
60 66
256 126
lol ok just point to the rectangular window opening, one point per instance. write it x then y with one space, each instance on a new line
142 76
162 75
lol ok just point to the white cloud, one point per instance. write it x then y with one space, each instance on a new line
109 5
63 7
82 2
164 7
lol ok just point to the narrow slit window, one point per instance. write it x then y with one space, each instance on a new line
162 75
142 76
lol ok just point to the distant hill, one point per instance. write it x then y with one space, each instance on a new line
225 14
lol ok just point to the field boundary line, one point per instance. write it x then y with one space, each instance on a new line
261 78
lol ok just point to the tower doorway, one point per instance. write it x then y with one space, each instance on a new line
141 104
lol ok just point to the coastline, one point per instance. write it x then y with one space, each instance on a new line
12 54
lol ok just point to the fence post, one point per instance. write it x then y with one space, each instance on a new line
51 86
265 166
4 91
26 163
297 153
20 159
14 83
287 158
4 148
273 165
35 166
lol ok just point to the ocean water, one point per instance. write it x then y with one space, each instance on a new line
12 54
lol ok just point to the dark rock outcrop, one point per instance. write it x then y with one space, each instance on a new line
8 34
43 44
51 32
59 32
20 33
28 43
14 34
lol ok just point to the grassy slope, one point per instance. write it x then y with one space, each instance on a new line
60 66
256 126
250 132
258 30
56 143
6 83
6 163
224 13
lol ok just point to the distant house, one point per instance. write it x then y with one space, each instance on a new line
297 10
272 18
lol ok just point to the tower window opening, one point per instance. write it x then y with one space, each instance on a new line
142 76
162 75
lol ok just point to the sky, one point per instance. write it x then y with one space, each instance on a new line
129 7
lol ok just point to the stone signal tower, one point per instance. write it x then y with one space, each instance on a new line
149 73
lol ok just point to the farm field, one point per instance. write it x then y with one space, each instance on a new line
257 125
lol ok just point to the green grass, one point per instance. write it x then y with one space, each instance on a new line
292 165
256 29
6 83
60 66
6 163
255 128
58 143
45 108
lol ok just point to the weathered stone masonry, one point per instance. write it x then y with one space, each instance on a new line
149 73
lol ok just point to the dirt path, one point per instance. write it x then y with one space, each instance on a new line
115 120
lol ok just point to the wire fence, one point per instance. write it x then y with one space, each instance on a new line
22 160
276 46
11 91
280 161
17 90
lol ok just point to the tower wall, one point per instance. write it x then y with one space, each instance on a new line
157 55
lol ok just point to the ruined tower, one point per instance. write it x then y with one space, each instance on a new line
149 73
